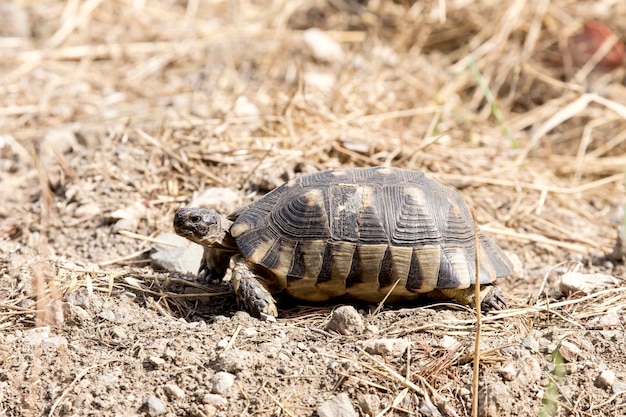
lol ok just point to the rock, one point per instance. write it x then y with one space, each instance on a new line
156 361
210 410
107 315
37 335
495 401
155 406
87 211
508 371
346 320
338 406
221 382
369 403
386 347
79 297
250 332
118 335
108 380
605 379
531 343
447 342
75 315
618 387
128 218
576 282
569 351
176 253
245 108
174 392
610 319
57 140
322 46
428 409
322 81
215 400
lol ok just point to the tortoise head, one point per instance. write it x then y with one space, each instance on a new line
202 226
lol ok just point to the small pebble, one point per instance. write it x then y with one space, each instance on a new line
174 392
338 406
570 368
322 46
569 351
250 331
87 211
386 347
508 372
245 108
107 315
369 403
531 343
214 400
175 253
156 361
222 344
155 406
221 382
605 379
610 319
209 410
346 320
428 409
618 387
108 380
447 341
59 140
577 282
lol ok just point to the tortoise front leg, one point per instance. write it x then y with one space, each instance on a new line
490 297
251 291
214 264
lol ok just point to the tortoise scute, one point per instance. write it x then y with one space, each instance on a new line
301 218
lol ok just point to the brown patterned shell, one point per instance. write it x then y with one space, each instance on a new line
357 231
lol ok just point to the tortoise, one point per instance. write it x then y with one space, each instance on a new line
349 232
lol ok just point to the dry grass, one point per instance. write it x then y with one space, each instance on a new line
167 98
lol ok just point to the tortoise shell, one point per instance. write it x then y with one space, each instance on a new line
357 231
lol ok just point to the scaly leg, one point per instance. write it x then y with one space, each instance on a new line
490 296
251 290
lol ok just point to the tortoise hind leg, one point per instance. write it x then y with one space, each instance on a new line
251 291
490 296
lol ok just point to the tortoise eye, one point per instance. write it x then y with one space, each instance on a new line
195 219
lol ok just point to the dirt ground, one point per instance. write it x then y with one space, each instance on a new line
113 114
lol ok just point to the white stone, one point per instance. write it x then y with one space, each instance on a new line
174 392
338 406
386 347
569 351
576 282
605 379
346 320
221 382
322 46
155 406
508 371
